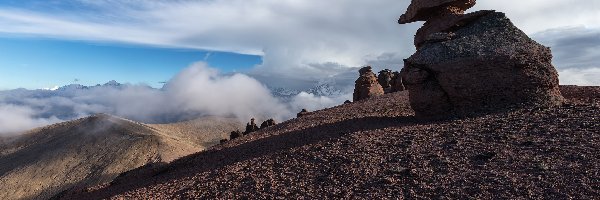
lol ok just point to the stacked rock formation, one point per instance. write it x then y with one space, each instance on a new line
467 63
367 85
267 123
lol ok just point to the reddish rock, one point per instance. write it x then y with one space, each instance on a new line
485 64
424 10
367 85
440 15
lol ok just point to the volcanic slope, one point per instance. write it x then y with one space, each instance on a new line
94 150
374 149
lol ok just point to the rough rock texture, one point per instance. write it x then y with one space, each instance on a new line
374 149
440 15
385 79
366 85
424 10
267 123
485 64
396 82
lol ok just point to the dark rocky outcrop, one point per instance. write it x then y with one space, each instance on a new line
251 127
347 102
474 62
385 80
223 141
235 134
396 83
302 113
267 123
367 85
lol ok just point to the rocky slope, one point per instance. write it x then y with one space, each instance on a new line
94 150
375 149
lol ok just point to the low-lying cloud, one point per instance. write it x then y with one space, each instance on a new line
196 91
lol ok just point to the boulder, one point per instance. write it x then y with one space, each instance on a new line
385 79
483 63
267 123
366 85
347 102
235 134
396 82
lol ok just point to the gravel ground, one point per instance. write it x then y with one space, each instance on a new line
374 149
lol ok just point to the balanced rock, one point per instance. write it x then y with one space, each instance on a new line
439 15
366 85
481 62
267 123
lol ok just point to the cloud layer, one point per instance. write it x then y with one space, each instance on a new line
196 91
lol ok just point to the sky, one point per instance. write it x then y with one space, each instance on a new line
226 57
291 43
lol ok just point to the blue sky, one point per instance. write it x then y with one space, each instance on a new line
44 63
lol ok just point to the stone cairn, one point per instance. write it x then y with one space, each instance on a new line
469 63
367 85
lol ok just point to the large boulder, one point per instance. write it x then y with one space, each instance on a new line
367 85
481 63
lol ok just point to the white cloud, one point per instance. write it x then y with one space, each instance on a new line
581 77
15 119
196 91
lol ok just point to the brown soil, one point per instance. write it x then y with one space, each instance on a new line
374 149
94 150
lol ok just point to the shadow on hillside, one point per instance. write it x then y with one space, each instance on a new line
212 159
